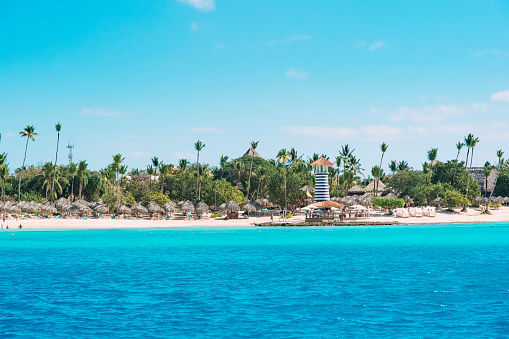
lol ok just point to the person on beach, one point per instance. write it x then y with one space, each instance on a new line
271 218
7 227
20 226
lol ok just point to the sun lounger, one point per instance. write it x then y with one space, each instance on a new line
405 213
425 211
399 212
432 212
418 212
412 211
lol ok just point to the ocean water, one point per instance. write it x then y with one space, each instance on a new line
365 282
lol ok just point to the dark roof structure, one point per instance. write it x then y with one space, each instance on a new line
371 186
252 153
356 190
477 174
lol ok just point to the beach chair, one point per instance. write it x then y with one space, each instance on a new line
432 212
425 211
418 212
412 211
405 213
399 212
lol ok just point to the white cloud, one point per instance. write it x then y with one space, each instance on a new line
500 96
429 114
360 44
103 112
183 155
136 154
377 45
375 110
204 5
492 52
441 129
9 135
372 132
288 40
204 129
497 125
293 74
194 26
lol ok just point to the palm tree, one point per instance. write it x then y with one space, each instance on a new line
182 166
198 146
346 153
3 156
355 165
117 161
470 142
254 145
58 128
383 148
261 173
29 133
82 166
4 174
238 167
474 143
283 156
338 165
73 170
403 166
500 154
49 180
393 166
156 163
426 171
150 171
164 170
486 170
222 163
459 146
432 156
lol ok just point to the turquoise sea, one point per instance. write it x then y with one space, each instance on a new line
366 282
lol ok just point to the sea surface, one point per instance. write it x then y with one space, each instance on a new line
315 282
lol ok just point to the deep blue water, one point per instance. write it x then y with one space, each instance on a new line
397 281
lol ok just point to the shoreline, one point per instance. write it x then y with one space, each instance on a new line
472 216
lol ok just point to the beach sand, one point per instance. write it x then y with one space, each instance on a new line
443 217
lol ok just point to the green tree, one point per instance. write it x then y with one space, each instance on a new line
283 156
165 170
222 163
393 167
29 133
407 182
198 146
4 174
48 172
486 170
500 155
403 165
459 146
254 145
150 171
58 128
383 149
453 198
432 156
82 167
73 171
117 162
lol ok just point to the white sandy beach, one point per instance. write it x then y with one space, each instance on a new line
443 217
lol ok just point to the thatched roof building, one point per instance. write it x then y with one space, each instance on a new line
252 153
478 175
371 186
356 190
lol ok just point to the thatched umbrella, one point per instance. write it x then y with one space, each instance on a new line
222 206
438 201
138 208
187 207
14 209
249 207
84 202
391 195
155 208
201 208
307 188
48 208
408 200
499 200
123 209
180 203
232 206
170 207
262 201
101 208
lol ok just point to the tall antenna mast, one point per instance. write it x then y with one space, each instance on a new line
70 147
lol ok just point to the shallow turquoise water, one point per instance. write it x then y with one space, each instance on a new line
397 281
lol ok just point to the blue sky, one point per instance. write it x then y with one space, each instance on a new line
149 78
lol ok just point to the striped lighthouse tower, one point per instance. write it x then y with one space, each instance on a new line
321 171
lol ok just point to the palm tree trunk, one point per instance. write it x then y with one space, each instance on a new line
81 185
455 168
72 189
468 179
284 174
162 183
379 173
55 169
249 180
3 189
21 172
197 174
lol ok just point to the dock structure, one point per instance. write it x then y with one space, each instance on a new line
321 171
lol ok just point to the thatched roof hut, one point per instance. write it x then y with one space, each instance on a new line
371 186
222 206
123 210
356 190
307 188
251 152
390 195
187 207
101 209
170 207
327 204
138 208
232 206
477 174
154 208
201 208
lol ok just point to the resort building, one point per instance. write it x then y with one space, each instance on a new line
372 187
477 174
321 171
